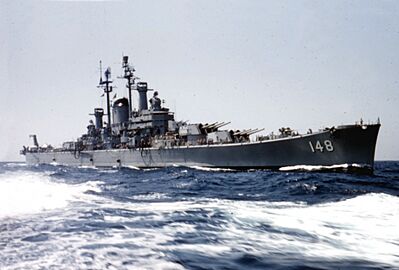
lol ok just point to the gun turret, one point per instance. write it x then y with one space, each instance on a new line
255 131
221 125
214 126
238 133
248 132
207 126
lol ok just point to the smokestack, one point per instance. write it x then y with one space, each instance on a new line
142 89
98 114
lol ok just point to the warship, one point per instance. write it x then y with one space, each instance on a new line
150 137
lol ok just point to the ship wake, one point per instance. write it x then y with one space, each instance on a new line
355 168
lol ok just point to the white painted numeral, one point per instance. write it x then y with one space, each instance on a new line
318 146
311 146
329 146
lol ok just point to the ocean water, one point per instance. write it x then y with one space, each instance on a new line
55 217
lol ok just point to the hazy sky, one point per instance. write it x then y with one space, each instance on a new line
259 64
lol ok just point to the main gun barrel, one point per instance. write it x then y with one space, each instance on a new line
221 125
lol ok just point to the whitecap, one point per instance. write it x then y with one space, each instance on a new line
131 167
29 193
211 169
88 167
318 167
15 164
150 196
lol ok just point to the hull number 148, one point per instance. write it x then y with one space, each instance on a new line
321 146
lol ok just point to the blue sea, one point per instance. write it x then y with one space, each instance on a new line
55 217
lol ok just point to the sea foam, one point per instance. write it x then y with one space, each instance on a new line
29 193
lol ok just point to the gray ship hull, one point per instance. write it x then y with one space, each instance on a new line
353 144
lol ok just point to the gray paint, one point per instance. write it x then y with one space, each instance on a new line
141 139
142 89
354 144
98 114
120 111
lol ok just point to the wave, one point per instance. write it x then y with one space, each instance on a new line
88 167
361 228
15 164
146 234
209 169
30 192
150 196
319 167
131 167
130 223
